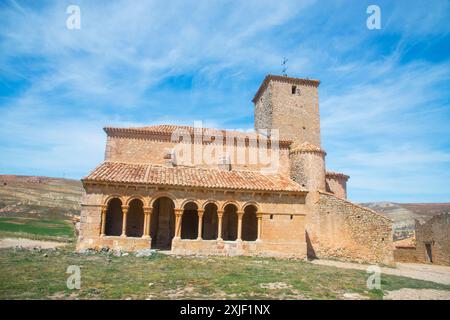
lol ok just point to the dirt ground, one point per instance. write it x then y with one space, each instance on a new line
438 274
27 243
417 294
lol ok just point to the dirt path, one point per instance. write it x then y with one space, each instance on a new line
434 273
28 243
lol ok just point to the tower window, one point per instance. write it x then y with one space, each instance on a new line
294 89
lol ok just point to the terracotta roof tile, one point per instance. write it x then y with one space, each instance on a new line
191 177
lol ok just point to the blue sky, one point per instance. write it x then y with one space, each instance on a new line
384 96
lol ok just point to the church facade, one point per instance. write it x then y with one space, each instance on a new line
195 190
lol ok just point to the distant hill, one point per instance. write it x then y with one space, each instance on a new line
404 214
39 197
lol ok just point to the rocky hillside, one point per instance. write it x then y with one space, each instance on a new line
404 214
39 197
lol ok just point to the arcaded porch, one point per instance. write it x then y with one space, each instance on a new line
161 224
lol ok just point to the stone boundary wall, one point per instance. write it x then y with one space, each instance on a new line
340 229
405 254
435 233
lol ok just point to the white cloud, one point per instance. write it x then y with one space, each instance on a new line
117 70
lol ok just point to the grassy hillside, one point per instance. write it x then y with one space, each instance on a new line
38 207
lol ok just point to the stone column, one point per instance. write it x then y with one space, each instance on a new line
147 220
103 222
239 235
124 221
178 217
259 216
200 223
219 224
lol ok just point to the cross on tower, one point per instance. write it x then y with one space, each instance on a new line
284 64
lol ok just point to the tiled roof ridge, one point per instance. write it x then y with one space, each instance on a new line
155 174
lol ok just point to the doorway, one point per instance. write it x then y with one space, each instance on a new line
429 252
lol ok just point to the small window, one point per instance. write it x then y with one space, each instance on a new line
294 89
271 217
292 216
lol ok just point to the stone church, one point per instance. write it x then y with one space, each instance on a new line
195 190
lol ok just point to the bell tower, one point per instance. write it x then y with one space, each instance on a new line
290 105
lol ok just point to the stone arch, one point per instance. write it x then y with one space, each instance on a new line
230 222
252 203
135 218
210 221
189 220
187 201
162 225
210 201
112 196
233 202
114 216
134 197
160 195
250 223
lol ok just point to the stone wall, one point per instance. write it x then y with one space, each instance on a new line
337 228
263 112
436 234
296 115
308 169
242 157
405 254
337 185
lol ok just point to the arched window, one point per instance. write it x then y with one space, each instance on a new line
210 222
114 217
230 223
135 219
189 221
249 224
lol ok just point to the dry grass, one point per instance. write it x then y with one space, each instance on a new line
26 274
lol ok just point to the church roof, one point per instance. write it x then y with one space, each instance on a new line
169 129
269 77
150 174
